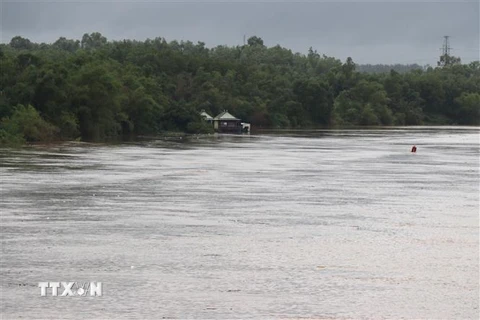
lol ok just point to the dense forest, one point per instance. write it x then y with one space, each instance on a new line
385 68
94 89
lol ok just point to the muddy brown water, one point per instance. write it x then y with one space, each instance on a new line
328 224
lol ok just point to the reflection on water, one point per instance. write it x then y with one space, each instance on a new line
324 224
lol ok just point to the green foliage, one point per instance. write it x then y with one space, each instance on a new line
448 60
93 41
469 108
199 127
368 116
385 68
316 99
10 139
69 126
21 43
279 120
255 41
26 124
97 89
68 45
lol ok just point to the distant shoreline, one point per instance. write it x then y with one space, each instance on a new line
182 136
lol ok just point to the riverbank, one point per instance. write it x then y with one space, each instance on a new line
183 136
132 88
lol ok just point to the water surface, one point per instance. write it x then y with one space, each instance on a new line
330 224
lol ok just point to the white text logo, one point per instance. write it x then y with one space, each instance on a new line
65 289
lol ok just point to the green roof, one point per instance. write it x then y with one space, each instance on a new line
225 116
205 115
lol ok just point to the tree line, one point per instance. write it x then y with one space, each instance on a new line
94 89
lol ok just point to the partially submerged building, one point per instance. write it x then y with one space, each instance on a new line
226 123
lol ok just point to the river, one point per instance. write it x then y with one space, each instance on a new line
327 224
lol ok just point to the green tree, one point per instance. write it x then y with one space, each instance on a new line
469 108
20 43
27 124
315 98
67 45
255 41
96 100
92 41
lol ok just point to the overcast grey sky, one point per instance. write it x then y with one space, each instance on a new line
368 31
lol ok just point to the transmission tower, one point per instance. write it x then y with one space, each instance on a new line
445 58
446 46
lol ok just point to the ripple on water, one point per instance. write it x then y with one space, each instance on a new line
329 224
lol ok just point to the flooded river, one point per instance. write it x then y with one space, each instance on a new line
331 224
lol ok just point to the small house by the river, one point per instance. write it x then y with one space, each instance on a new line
226 123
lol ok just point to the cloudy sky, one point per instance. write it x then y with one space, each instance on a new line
369 31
